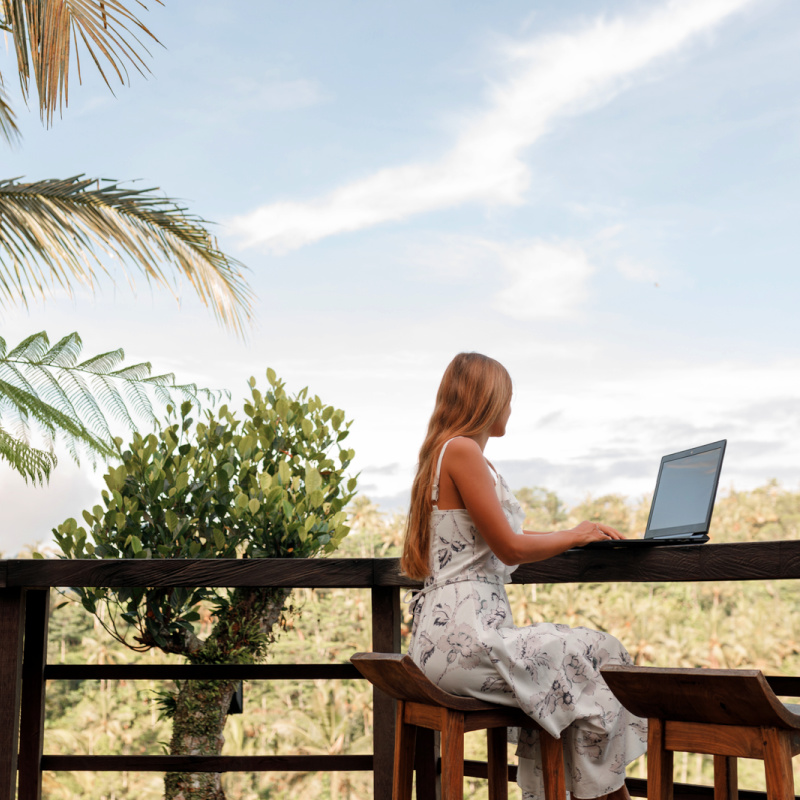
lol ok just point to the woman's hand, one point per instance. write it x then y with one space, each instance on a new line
586 532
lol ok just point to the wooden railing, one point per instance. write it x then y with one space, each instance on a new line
24 612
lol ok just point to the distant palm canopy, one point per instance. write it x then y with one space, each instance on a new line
56 233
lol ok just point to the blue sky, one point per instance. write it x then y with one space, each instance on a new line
602 195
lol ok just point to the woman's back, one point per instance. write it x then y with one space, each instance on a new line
458 551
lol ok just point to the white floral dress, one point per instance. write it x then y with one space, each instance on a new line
465 641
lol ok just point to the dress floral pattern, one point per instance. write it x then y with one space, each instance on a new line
464 639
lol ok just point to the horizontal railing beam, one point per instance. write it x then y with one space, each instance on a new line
636 786
686 563
207 763
690 791
205 672
742 561
331 573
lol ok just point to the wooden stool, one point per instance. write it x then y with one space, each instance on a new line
422 704
726 713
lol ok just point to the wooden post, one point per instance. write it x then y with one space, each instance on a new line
385 639
778 764
404 743
659 763
11 616
453 755
726 778
497 748
31 735
552 766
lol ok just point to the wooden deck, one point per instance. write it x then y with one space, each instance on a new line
24 599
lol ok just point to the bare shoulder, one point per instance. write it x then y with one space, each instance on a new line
463 452
463 447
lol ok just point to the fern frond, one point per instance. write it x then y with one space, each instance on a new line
44 389
139 372
32 348
137 398
29 462
107 393
104 363
83 404
65 352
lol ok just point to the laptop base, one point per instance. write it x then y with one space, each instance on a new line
625 543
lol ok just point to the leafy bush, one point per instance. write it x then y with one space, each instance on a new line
269 485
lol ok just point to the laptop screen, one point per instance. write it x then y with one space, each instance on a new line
685 491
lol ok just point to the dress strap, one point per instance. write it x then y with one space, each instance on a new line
435 487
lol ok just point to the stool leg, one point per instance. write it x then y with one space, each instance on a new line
726 779
778 764
426 763
404 745
453 756
659 763
552 767
497 741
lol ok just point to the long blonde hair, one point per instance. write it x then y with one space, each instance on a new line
474 392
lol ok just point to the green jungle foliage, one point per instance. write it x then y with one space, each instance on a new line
726 624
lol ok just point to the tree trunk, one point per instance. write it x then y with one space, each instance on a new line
200 715
241 636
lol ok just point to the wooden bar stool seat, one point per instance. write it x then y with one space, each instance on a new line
422 704
726 713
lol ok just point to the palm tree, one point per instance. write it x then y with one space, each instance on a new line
54 234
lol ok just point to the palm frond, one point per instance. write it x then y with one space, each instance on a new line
8 123
44 390
54 233
29 462
46 33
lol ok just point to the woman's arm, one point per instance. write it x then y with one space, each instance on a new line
465 466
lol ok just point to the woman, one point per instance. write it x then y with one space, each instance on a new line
465 538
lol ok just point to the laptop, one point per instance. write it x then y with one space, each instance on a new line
683 500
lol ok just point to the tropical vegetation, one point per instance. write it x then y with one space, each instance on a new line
728 624
47 393
268 484
56 234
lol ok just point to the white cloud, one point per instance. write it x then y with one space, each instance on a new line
272 93
550 77
547 279
636 271
538 279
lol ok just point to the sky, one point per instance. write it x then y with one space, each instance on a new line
598 194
